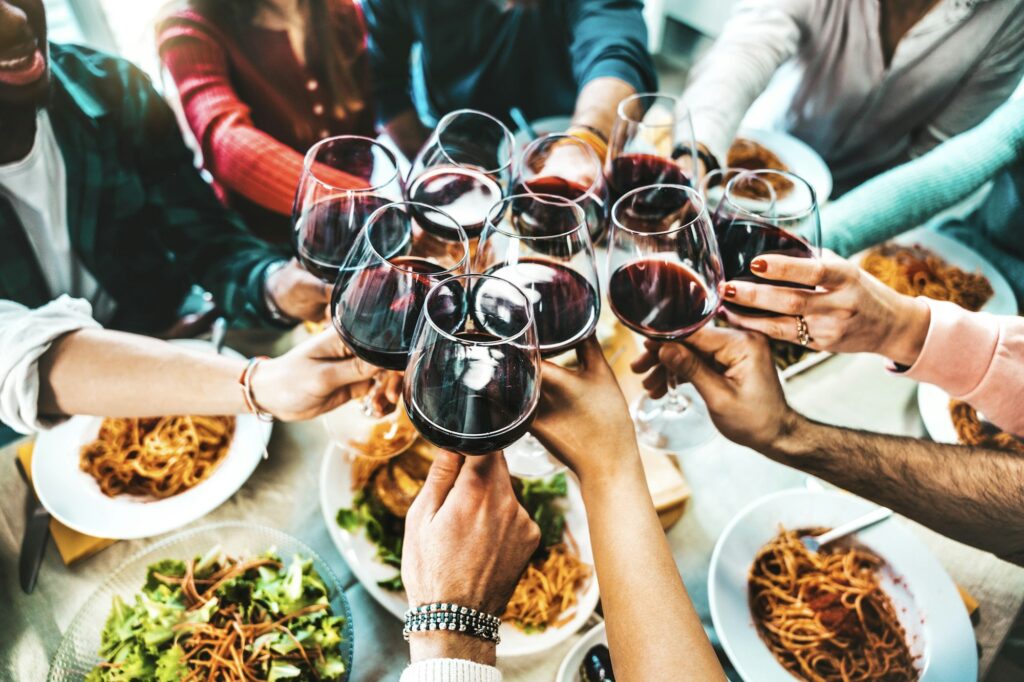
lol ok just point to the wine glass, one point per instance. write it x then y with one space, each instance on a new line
463 169
541 243
344 179
566 166
765 212
652 143
665 273
377 299
473 380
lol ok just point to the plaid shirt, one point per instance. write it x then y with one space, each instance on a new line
140 217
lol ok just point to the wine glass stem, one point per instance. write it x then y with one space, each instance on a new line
675 400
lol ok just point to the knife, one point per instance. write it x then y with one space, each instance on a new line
37 533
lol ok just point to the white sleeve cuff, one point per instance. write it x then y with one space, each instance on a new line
25 335
450 670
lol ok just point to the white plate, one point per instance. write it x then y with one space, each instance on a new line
360 554
930 609
798 157
933 404
569 671
74 498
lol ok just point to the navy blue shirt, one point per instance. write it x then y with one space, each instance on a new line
475 54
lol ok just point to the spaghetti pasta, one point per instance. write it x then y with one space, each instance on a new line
159 456
916 271
546 593
824 616
971 430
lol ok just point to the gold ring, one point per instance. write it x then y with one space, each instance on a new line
803 336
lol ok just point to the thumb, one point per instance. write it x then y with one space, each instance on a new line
348 371
688 366
440 481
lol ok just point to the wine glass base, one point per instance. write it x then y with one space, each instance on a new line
662 425
527 458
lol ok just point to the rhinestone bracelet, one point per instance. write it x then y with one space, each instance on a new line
453 618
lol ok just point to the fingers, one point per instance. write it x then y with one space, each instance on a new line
348 371
590 354
484 475
782 328
769 297
440 480
814 272
688 366
711 339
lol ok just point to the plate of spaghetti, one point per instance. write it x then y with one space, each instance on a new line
876 607
125 478
364 504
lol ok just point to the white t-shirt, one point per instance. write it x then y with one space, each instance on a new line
36 186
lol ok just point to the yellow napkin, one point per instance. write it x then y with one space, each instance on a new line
72 545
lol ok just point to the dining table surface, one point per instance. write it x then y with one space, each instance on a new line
851 390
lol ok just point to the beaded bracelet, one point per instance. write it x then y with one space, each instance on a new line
453 618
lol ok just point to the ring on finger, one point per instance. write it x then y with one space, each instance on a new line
803 335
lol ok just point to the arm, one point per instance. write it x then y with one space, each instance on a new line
758 38
239 155
970 494
391 37
908 195
653 631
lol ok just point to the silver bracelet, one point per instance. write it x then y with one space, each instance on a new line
452 618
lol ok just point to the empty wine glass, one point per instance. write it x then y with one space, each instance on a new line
664 279
463 169
379 294
568 167
472 384
652 143
344 179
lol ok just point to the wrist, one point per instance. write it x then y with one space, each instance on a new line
442 644
607 475
791 440
906 335
272 277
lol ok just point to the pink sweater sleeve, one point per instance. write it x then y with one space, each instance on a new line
977 358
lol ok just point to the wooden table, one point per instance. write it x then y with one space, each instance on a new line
850 390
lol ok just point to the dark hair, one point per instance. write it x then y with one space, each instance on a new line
337 62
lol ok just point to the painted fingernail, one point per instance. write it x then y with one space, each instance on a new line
758 265
729 291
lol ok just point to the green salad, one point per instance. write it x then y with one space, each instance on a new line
542 498
221 618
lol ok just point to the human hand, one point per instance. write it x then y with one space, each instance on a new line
583 419
298 293
467 542
574 162
315 377
849 311
734 374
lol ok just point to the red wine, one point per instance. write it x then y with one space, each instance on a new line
565 304
325 232
471 399
593 206
464 194
660 299
376 309
740 241
630 171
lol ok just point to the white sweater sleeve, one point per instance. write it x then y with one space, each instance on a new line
450 670
758 38
25 334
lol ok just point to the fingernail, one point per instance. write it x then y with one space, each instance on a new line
729 291
758 265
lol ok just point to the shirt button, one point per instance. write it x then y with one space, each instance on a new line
312 85
318 109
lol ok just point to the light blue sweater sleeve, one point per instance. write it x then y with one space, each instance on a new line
906 196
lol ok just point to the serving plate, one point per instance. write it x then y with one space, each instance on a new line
926 600
569 671
360 554
798 157
74 498
77 655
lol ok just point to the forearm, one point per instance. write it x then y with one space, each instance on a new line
598 101
654 632
96 371
974 495
407 132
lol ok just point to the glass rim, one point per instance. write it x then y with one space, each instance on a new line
309 160
463 239
617 224
496 342
502 204
677 105
803 213
506 133
564 138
